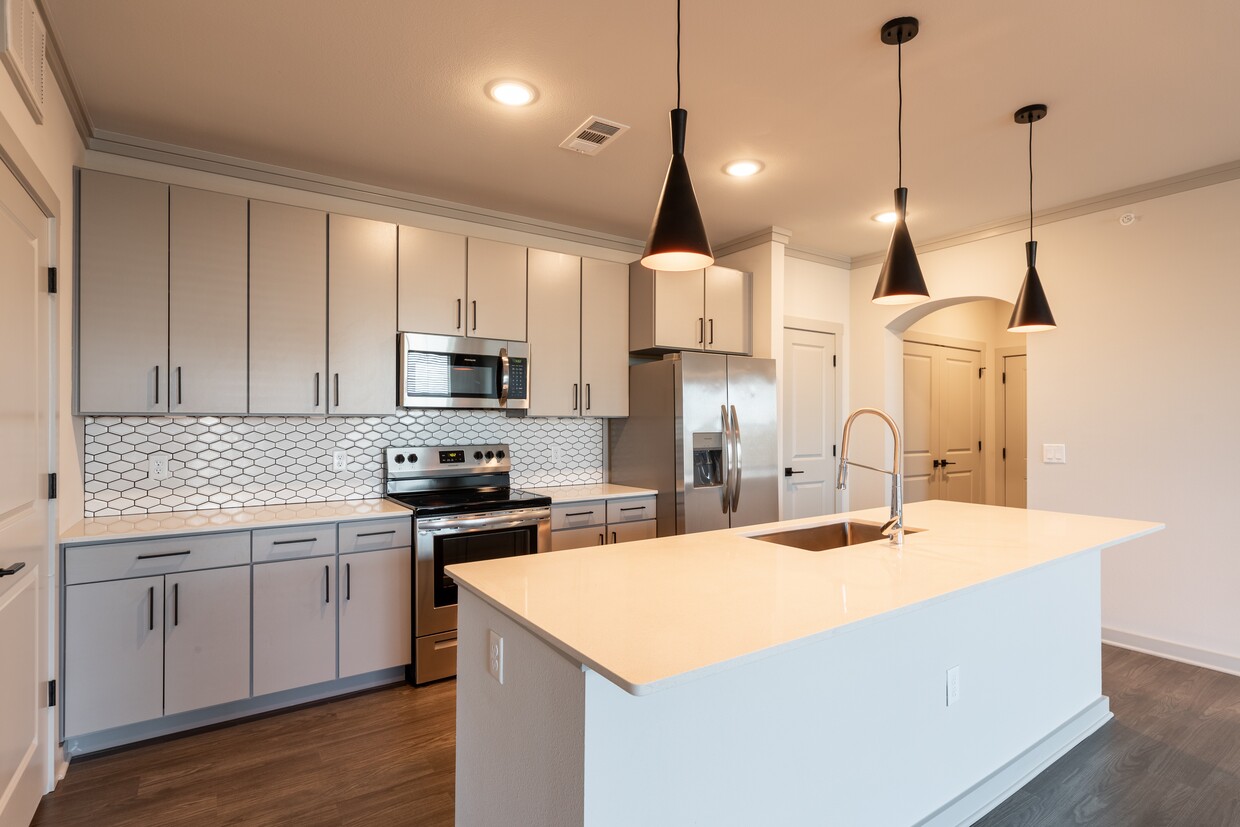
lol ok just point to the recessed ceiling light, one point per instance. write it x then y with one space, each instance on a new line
512 92
743 169
888 217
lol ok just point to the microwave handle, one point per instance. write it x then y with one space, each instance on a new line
503 377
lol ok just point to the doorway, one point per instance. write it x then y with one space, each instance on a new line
809 401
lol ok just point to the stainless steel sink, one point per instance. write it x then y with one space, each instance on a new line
829 536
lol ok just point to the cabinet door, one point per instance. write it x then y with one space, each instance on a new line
432 282
624 532
496 290
288 309
678 319
361 323
206 638
728 316
208 343
556 333
122 294
578 537
114 654
294 623
376 617
604 337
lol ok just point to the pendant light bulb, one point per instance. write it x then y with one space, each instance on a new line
1032 313
900 281
678 236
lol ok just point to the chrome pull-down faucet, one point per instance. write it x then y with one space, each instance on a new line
896 524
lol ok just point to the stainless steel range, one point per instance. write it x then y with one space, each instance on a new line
463 510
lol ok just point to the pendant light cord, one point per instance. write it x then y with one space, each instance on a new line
677 54
900 109
1031 179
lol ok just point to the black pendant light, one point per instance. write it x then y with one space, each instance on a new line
677 236
900 281
1032 313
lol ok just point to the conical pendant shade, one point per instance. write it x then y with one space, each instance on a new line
900 281
678 236
1032 313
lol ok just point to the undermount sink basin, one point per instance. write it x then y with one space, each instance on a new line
829 536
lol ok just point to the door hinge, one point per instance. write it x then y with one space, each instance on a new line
1005 377
51 486
979 372
979 445
833 447
832 360
51 693
51 279
1005 454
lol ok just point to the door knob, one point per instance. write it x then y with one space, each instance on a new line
788 472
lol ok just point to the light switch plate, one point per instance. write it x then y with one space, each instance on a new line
1054 454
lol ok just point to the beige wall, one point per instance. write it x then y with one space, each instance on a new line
1138 382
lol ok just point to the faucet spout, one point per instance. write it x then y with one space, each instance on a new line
896 523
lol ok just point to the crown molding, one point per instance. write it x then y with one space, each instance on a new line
1120 198
767 235
818 257
130 146
60 73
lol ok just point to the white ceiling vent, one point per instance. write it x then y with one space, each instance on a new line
23 49
593 135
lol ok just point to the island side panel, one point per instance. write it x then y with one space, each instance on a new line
855 729
519 745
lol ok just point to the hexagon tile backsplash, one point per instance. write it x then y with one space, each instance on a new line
222 462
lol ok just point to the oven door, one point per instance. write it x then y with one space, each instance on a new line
466 538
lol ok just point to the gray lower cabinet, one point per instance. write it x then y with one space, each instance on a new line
206 629
375 610
294 623
602 522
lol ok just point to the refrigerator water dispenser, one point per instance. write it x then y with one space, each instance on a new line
707 459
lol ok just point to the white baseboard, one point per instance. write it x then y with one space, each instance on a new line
997 787
1206 658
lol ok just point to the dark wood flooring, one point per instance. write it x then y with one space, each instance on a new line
1170 758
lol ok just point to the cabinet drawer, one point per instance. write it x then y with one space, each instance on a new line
578 515
297 541
624 532
372 535
578 537
115 561
631 509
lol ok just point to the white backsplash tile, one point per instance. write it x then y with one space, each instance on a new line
221 462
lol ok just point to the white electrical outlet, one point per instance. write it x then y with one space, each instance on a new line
953 685
1054 454
157 467
340 460
495 655
557 454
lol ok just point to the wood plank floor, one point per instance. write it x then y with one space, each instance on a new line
1171 758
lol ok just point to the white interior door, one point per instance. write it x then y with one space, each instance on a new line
942 424
809 424
25 336
1015 442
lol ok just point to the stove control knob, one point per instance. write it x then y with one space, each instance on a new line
499 454
413 457
490 455
477 455
400 458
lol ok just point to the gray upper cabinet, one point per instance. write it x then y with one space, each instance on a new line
361 351
288 309
432 282
207 341
555 334
604 337
707 309
122 295
496 281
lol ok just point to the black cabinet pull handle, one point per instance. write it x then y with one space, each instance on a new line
712 332
157 384
178 384
316 389
475 304
580 514
348 582
150 609
602 539
176 604
327 584
613 538
458 314
634 508
164 554
701 330
574 396
587 396
13 569
377 533
293 542
336 389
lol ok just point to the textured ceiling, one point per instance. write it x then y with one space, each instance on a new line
390 92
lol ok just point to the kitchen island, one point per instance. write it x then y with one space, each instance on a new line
715 678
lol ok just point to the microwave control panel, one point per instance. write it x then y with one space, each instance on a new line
518 377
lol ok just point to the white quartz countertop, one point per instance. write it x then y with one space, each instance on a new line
593 491
653 613
142 526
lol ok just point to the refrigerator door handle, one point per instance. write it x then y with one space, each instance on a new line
727 459
736 460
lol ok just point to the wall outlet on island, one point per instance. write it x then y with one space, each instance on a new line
953 685
340 460
495 655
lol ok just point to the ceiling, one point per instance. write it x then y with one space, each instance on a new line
390 93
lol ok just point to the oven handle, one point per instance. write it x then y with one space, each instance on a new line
479 523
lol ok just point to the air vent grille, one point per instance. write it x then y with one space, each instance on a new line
24 52
593 134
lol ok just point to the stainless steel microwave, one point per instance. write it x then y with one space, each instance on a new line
460 372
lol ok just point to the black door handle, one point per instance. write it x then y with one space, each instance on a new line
13 569
942 463
788 472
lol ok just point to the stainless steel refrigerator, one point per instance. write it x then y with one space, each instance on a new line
701 430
